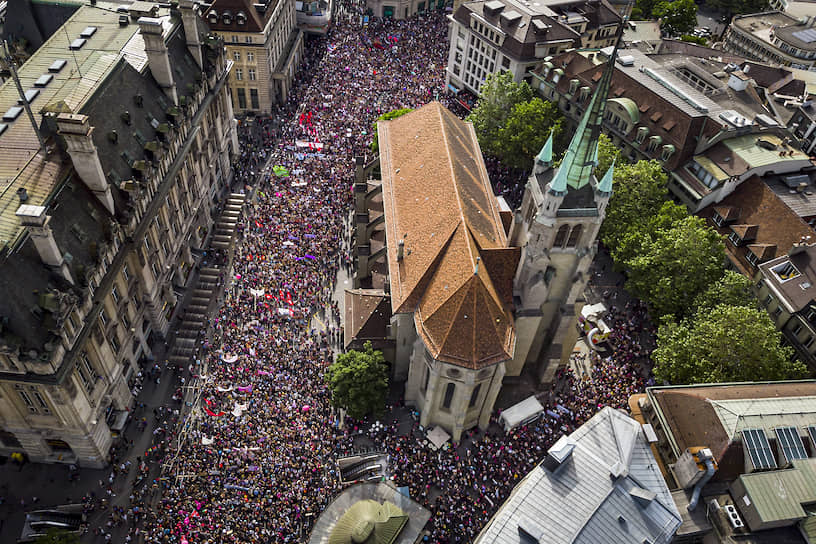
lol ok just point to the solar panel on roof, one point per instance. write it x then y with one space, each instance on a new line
30 95
759 449
791 443
88 32
77 44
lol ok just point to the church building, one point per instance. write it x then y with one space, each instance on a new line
456 289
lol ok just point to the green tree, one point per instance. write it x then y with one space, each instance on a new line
639 191
732 289
728 343
58 536
358 381
526 130
642 10
699 40
497 97
675 264
631 243
393 114
677 17
607 152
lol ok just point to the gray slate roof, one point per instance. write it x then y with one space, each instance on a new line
581 502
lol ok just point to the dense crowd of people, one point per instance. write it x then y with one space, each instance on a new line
255 460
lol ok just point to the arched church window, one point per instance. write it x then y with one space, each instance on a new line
475 395
575 235
449 391
425 381
561 236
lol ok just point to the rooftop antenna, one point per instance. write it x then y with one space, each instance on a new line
13 69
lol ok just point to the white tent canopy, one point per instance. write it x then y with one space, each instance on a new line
437 437
525 411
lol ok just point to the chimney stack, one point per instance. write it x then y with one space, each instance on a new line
400 250
36 223
77 132
158 57
189 17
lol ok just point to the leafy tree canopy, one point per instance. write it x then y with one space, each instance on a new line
607 152
631 244
699 40
526 130
732 289
358 381
639 190
728 343
498 96
642 10
393 114
675 264
676 17
58 536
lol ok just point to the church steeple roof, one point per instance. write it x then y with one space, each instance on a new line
581 155
605 186
545 156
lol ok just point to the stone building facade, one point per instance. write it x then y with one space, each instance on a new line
101 232
264 42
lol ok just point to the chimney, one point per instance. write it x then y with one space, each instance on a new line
558 454
23 194
400 250
158 58
77 132
36 223
189 17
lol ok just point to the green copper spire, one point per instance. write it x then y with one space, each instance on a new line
581 156
605 186
558 185
545 155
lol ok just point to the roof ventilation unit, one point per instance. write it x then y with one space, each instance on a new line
57 65
733 516
77 44
43 80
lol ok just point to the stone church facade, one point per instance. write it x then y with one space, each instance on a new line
455 288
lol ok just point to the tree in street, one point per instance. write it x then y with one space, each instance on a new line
526 130
677 17
639 191
642 10
631 244
725 344
498 96
675 264
393 114
732 289
57 536
358 381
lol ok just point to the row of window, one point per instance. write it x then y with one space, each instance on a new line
450 391
253 97
239 74
250 56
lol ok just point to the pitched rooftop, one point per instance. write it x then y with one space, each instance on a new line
601 485
76 78
455 272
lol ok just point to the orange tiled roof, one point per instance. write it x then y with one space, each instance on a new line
456 271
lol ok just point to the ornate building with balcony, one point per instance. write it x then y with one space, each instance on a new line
101 222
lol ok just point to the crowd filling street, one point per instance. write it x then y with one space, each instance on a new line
248 443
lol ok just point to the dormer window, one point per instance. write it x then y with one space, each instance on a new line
752 258
642 132
654 143
573 86
717 218
227 18
785 271
584 93
735 239
241 18
668 151
212 17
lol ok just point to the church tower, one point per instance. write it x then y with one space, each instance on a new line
556 227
